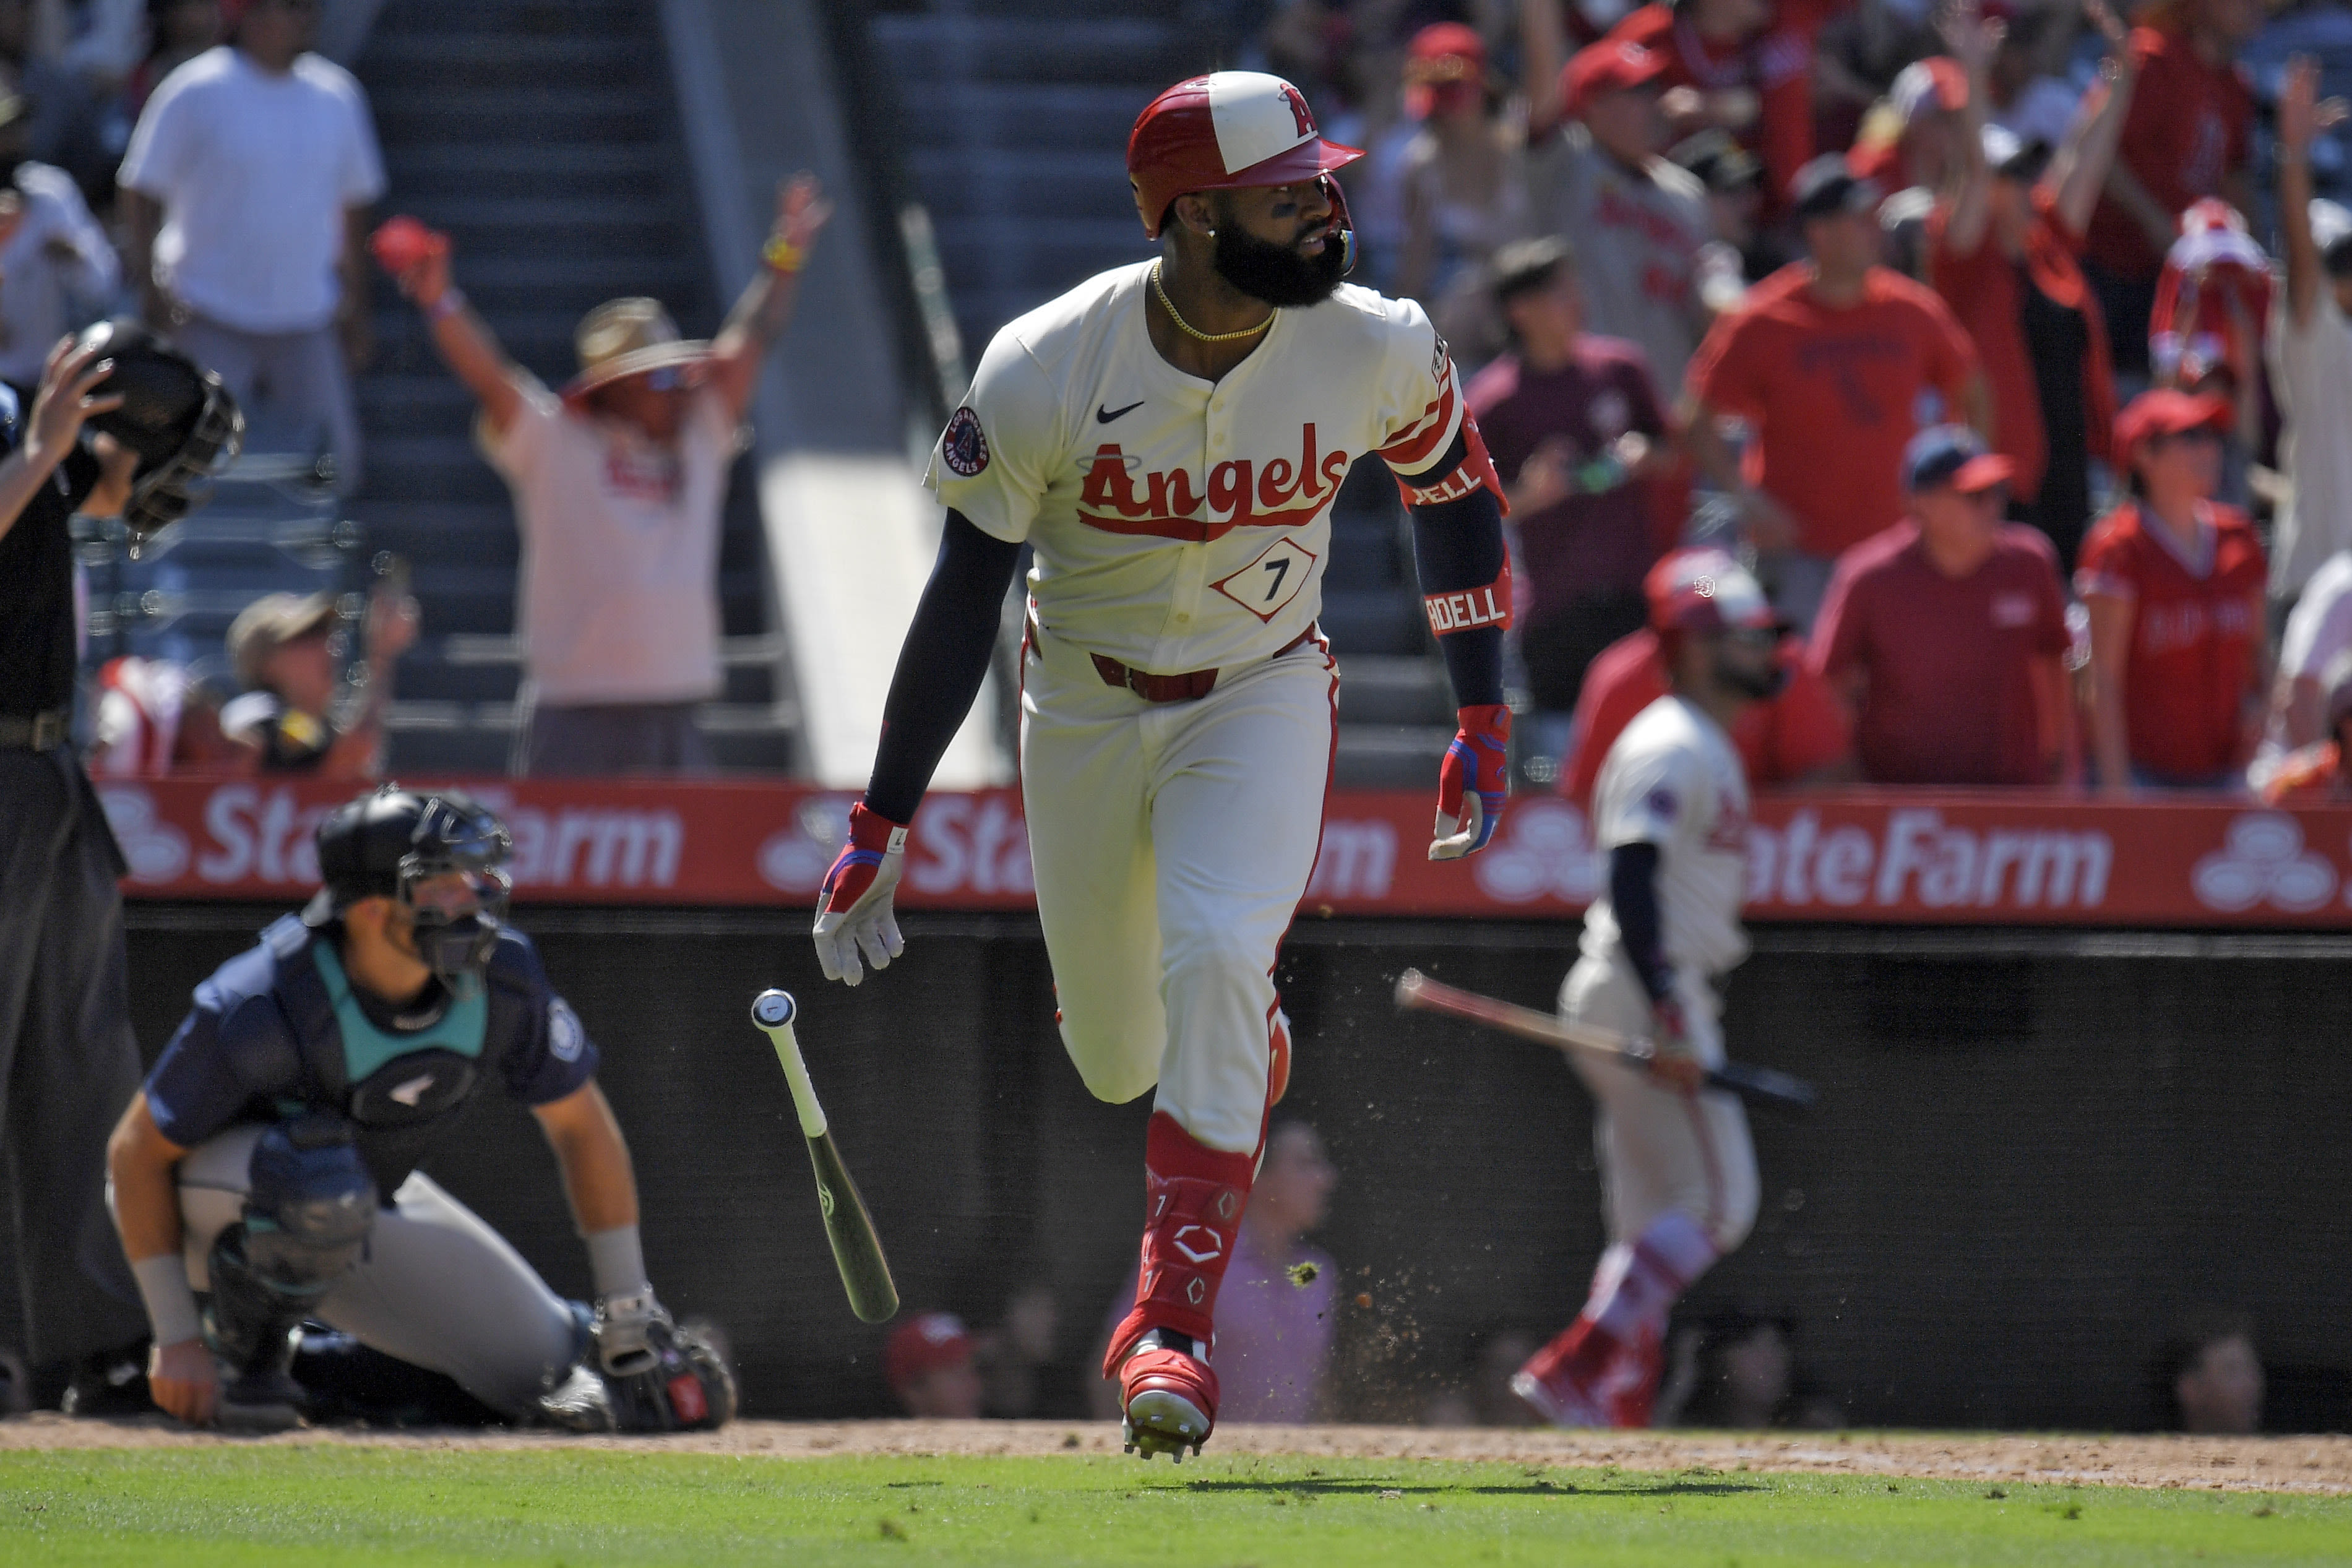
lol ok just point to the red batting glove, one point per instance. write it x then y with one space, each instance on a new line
853 914
1473 782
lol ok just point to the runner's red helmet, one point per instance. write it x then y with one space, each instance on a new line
1229 131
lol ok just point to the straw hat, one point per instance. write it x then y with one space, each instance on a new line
622 338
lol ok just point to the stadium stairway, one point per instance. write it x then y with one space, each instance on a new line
1014 119
543 136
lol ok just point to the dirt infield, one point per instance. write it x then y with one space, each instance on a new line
2226 1464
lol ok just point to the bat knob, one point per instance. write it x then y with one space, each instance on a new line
773 1009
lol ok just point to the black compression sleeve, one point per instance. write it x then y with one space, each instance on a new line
1457 545
1633 895
940 665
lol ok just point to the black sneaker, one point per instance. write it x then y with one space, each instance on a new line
262 1400
110 1384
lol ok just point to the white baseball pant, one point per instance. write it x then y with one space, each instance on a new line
436 1287
1172 842
1661 1149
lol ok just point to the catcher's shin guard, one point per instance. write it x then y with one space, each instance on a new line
249 1325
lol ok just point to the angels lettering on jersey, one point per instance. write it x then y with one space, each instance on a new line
1177 523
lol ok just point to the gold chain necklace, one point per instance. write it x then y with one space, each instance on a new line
1189 329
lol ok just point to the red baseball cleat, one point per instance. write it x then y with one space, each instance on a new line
1558 1381
1169 1397
1627 1388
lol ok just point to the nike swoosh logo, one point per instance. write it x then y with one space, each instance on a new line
1104 415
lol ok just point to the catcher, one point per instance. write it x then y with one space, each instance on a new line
271 1160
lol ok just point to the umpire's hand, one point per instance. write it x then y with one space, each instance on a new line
182 1380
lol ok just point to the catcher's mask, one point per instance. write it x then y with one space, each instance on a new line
176 415
440 856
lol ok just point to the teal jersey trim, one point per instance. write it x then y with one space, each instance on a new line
461 1029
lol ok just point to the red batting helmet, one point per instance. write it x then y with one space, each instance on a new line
1225 131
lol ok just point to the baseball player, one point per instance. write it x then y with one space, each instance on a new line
1678 1172
271 1160
1167 438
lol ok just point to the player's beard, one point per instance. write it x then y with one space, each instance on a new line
1763 685
1277 274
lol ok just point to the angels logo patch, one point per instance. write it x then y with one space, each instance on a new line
961 444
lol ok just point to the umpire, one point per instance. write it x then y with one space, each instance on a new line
68 1061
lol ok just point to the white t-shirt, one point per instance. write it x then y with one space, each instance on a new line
254 172
2311 373
619 597
1674 779
39 287
1175 524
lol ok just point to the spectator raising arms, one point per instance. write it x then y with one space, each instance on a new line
1465 190
1947 631
1571 421
1640 223
244 199
2310 348
1827 360
2173 582
617 486
2188 134
2002 245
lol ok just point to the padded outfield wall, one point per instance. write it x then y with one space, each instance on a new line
2035 1149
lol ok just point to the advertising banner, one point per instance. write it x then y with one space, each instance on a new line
2009 858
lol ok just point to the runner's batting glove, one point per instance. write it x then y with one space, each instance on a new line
623 1329
853 912
1670 1044
1472 783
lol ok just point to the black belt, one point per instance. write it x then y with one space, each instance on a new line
38 734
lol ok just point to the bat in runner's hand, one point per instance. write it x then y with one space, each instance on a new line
856 1250
1418 991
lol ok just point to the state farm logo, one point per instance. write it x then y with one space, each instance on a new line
1358 861
960 843
1542 850
1919 857
155 851
2262 860
588 846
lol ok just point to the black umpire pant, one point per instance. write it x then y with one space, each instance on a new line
69 1063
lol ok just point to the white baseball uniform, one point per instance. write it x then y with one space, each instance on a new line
1180 525
1673 779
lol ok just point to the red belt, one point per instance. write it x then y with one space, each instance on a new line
1187 687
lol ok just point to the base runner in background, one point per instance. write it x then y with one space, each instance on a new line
1168 438
271 1160
1678 1173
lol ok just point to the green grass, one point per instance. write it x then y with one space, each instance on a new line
582 1507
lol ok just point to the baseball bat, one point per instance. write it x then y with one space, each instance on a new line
1417 991
856 1250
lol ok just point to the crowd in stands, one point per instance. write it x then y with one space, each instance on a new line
2002 338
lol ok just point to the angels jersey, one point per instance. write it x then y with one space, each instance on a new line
1674 780
1179 524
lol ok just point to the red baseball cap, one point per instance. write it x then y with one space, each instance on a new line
2166 412
1444 57
925 1344
1706 589
1612 64
1227 131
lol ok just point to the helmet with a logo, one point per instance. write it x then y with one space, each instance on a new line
1706 590
1229 130
439 854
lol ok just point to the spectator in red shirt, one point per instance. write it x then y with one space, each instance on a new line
1729 67
2189 134
2002 243
2174 583
1798 736
1826 360
1947 631
1572 422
